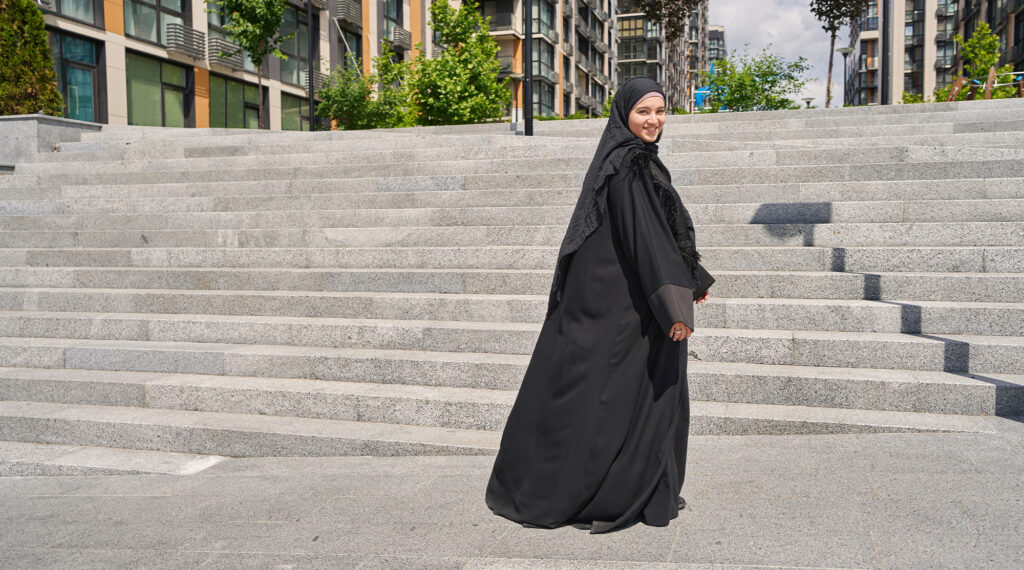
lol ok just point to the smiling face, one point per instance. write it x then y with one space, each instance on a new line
647 119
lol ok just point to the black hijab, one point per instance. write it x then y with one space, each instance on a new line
617 149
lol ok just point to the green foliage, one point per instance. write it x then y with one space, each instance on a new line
28 83
252 25
671 14
912 98
606 109
348 96
981 52
461 86
759 83
679 111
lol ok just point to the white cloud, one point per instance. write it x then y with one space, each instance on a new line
793 32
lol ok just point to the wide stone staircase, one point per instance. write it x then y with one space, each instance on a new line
169 297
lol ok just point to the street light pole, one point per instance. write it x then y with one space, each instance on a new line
310 79
528 71
846 51
886 67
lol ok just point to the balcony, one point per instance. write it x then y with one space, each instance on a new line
546 30
913 66
401 38
568 88
948 11
232 58
913 15
508 66
543 70
321 4
349 13
502 22
436 51
601 14
869 85
569 9
186 41
601 46
1016 5
567 47
944 37
592 102
869 24
913 40
945 62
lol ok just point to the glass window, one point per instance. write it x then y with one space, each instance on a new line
233 104
294 113
392 17
148 19
215 29
631 27
351 44
156 92
295 68
84 10
74 60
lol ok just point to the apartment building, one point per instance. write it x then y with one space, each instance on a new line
168 62
644 51
923 54
716 43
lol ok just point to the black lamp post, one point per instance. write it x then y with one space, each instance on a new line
310 78
528 71
846 51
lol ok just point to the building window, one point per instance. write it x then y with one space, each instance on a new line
351 44
74 60
215 29
156 92
82 10
392 17
294 113
148 19
543 99
295 68
233 104
631 27
633 48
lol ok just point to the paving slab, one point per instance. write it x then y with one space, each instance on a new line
846 501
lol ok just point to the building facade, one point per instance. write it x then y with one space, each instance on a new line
924 55
644 51
168 62
717 50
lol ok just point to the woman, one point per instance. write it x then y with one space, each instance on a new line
597 435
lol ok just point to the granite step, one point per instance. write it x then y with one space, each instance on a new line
487 190
945 259
248 435
34 306
386 397
20 459
934 170
114 341
888 286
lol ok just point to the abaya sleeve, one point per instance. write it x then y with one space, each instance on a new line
649 247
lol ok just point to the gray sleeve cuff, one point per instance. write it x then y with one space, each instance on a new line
671 304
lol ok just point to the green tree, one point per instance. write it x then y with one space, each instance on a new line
253 25
606 110
393 106
28 83
981 53
347 96
671 14
759 83
461 86
833 15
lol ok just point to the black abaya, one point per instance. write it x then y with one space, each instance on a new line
598 431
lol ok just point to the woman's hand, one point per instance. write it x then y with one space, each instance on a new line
679 331
703 297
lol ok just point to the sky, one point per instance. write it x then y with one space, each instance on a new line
793 32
